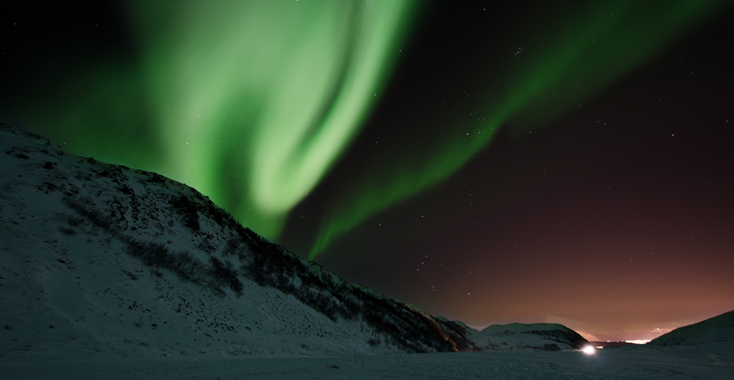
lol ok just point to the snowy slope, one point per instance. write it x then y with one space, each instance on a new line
716 329
100 260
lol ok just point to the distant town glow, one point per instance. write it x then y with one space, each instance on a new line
638 341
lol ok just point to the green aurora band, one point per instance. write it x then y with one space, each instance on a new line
249 102
285 84
579 55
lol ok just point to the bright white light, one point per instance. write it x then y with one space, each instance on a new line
589 350
638 341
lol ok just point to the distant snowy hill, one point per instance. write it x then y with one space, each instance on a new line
101 260
520 337
712 330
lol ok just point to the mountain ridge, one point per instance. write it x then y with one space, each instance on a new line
103 259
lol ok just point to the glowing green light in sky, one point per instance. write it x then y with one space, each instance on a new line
574 58
285 84
249 102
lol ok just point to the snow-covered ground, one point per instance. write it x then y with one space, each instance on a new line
710 361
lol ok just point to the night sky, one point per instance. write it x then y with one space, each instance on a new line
491 162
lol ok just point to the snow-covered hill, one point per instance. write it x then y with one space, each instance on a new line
102 260
523 337
712 330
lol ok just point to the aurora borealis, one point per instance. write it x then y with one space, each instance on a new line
263 96
479 160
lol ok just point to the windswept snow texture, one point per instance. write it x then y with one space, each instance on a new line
710 362
716 329
108 272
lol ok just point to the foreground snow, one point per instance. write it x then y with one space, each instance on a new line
710 361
